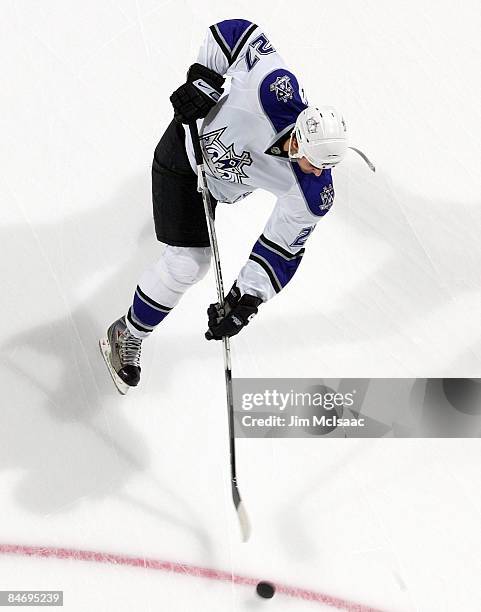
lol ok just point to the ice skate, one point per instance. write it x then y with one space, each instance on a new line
121 352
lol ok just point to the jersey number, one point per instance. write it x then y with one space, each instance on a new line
303 236
260 45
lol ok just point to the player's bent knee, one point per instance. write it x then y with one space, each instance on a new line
187 265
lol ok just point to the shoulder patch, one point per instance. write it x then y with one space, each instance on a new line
281 98
282 88
318 191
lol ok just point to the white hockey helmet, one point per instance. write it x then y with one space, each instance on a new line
320 132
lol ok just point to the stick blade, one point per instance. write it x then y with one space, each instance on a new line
244 522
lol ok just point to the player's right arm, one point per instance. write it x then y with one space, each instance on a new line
225 43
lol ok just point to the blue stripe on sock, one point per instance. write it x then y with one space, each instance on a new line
145 313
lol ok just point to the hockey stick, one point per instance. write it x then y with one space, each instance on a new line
209 215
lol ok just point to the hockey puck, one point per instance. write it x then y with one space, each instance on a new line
265 590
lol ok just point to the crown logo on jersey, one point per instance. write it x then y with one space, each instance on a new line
327 197
283 88
222 161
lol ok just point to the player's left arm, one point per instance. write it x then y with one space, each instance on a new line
278 252
276 255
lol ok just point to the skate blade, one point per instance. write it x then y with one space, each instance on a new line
122 387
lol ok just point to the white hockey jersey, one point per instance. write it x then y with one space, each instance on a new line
242 144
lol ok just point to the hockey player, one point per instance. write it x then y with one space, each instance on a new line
258 132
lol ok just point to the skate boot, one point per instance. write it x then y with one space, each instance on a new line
121 352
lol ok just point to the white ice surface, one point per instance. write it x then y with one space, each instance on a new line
389 286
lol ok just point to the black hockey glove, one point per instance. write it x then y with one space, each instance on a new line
236 314
194 99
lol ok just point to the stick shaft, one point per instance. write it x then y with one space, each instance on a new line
209 215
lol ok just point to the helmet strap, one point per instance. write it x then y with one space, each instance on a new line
291 154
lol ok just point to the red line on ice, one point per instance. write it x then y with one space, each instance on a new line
179 568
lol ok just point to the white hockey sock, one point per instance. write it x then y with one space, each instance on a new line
163 284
